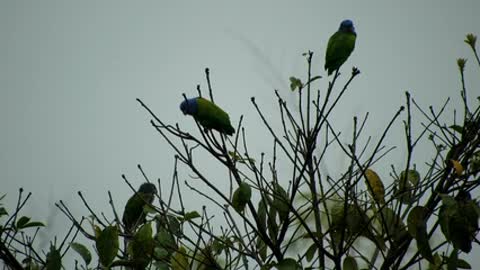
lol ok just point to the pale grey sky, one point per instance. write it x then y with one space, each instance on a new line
70 73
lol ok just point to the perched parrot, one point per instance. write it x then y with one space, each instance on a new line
241 197
209 115
133 215
340 46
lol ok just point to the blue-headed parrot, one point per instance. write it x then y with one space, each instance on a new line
209 115
134 214
340 46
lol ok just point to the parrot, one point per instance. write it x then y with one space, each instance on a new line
209 115
340 46
241 197
133 214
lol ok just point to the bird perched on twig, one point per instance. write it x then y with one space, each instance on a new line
133 214
209 115
340 46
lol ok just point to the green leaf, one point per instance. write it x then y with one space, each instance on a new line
107 245
24 222
96 230
452 260
144 233
461 232
458 220
218 245
54 259
416 220
83 251
21 222
160 265
148 209
262 248
311 252
241 197
166 240
462 264
161 253
240 159
280 202
206 260
170 223
423 245
141 247
295 83
391 222
179 260
456 263
3 211
174 226
457 128
288 264
272 224
448 200
437 263
262 215
417 227
191 215
411 176
349 263
338 215
444 220
32 266
234 156
403 192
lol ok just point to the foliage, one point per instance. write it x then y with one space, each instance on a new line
308 220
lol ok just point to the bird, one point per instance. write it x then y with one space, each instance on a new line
340 46
133 214
209 115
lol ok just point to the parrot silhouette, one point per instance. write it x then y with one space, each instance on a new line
209 115
340 46
133 214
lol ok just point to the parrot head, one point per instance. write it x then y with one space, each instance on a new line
189 106
148 188
347 26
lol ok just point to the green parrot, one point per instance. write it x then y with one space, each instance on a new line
134 215
241 197
209 115
340 46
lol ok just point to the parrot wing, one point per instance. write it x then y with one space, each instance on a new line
211 116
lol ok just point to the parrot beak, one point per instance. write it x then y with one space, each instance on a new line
183 108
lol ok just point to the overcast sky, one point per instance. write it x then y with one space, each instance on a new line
70 73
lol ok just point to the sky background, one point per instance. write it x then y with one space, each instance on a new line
70 73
